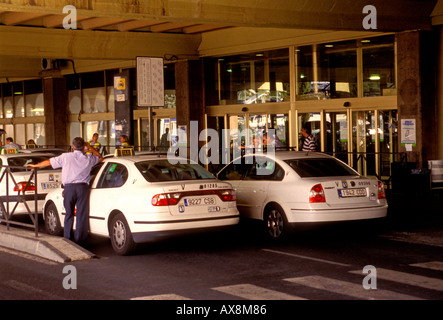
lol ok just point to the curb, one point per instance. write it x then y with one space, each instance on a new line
45 246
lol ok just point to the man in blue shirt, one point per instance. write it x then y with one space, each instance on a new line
76 168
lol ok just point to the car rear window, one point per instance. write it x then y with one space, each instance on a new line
162 170
320 167
25 160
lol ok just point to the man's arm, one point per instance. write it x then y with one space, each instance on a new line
44 163
93 151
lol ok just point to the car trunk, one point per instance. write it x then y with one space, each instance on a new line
196 197
353 191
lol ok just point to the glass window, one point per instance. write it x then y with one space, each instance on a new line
19 137
337 69
305 74
35 105
114 176
74 131
264 169
233 171
320 167
94 100
8 108
111 99
254 78
162 170
74 101
378 66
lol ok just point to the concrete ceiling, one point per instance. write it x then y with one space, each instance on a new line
117 30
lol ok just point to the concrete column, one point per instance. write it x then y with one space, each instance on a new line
189 98
417 56
56 106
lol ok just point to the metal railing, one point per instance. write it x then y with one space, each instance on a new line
21 196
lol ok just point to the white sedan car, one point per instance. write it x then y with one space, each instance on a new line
135 199
297 187
17 184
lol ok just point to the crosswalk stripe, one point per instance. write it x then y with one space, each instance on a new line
162 297
348 288
407 278
253 292
434 265
308 258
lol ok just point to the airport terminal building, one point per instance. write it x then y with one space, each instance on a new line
363 76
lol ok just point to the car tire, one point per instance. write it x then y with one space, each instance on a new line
121 236
52 221
275 223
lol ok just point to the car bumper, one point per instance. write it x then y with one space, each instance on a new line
145 231
327 215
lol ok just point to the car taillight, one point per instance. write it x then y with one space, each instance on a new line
381 190
227 195
24 186
165 199
317 194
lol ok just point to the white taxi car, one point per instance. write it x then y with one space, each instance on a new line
135 199
20 184
289 188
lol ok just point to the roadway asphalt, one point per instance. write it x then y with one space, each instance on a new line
415 218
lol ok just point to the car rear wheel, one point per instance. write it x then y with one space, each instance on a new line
276 224
52 221
121 236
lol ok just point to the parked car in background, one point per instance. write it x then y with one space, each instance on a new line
18 182
136 199
299 187
53 151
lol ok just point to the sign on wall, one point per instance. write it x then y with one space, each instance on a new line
408 133
150 84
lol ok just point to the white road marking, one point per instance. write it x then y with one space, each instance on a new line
434 265
308 258
348 288
37 293
252 292
407 278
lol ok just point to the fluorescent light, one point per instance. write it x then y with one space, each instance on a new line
374 77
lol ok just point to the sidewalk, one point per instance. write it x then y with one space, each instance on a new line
49 247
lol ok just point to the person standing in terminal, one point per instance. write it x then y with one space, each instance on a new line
309 143
124 139
94 142
10 144
76 168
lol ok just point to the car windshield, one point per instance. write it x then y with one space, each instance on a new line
162 170
25 160
320 167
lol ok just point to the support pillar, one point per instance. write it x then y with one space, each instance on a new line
56 106
189 100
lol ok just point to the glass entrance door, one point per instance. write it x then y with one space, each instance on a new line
337 135
363 139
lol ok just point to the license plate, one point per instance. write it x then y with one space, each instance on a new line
345 193
200 201
50 185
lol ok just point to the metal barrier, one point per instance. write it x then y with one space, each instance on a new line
19 197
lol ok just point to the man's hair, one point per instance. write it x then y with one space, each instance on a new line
9 139
78 143
307 128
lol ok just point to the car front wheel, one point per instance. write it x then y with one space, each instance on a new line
276 224
52 221
121 236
